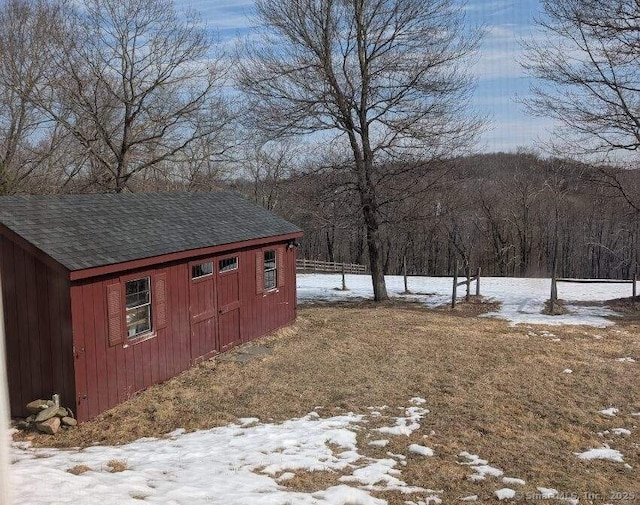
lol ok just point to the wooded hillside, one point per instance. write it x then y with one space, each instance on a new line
496 211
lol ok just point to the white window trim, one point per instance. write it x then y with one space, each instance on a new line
201 276
274 269
237 261
148 304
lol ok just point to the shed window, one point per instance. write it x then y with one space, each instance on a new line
228 264
138 296
270 270
201 270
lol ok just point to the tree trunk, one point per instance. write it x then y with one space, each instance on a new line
364 167
375 256
329 235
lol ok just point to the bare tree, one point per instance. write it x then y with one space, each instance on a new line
267 165
588 61
386 77
27 136
135 84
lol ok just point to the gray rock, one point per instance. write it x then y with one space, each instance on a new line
62 412
47 413
36 406
30 419
50 426
69 421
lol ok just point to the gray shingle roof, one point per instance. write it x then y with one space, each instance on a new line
85 231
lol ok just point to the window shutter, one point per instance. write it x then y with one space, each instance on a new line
259 272
280 274
159 294
115 309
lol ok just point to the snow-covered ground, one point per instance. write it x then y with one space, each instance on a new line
238 464
250 462
522 300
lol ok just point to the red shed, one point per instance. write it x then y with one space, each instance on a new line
105 295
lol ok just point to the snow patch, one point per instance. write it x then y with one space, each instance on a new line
481 467
567 370
610 412
513 481
246 421
420 449
522 300
505 493
621 431
379 443
626 360
436 500
546 493
380 475
604 453
231 465
345 495
405 425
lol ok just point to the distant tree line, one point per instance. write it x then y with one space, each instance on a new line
494 211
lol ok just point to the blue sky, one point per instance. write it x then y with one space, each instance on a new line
501 80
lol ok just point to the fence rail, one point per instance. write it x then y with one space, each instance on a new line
305 265
597 281
469 279
633 281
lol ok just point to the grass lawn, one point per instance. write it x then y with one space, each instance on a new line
493 390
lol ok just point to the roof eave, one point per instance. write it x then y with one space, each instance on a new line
38 253
140 263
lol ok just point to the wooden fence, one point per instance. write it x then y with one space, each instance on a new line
633 281
305 265
469 279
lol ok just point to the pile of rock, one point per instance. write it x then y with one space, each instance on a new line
47 417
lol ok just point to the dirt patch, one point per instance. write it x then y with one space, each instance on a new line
311 482
629 307
493 390
556 308
474 307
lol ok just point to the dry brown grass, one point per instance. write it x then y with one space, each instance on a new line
492 390
310 482
116 466
79 469
556 308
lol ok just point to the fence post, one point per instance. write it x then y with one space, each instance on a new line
455 286
468 272
344 283
554 293
404 273
478 281
635 282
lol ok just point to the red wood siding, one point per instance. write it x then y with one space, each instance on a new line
109 374
38 327
106 375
